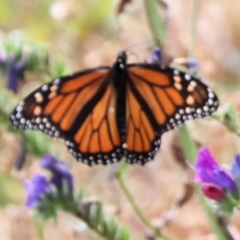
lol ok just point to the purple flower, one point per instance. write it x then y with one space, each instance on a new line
156 56
2 60
15 72
46 195
60 173
192 63
209 171
36 189
235 167
218 184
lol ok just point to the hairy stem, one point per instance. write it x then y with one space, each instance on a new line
137 210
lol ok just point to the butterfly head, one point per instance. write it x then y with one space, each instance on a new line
122 60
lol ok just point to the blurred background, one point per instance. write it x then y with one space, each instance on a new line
83 34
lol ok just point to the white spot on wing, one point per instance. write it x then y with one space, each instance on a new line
45 87
187 76
56 81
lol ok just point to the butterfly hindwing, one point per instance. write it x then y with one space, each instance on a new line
97 140
142 142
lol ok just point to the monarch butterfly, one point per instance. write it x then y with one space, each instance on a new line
107 113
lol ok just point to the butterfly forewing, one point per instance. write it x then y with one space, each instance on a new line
172 97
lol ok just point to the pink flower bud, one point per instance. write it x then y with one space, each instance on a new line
213 192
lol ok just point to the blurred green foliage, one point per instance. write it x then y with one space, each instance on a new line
36 18
7 195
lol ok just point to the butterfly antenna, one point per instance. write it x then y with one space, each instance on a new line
135 55
155 40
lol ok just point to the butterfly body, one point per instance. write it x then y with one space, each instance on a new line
107 113
119 79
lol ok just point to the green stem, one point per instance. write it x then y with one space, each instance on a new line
95 219
155 23
40 229
99 231
137 210
193 29
189 147
188 144
212 218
